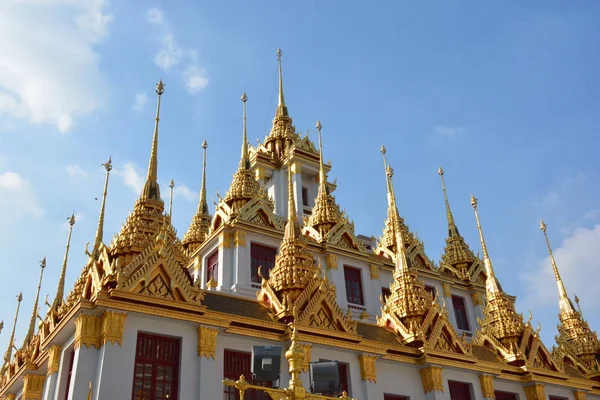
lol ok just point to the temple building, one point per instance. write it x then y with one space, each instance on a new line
278 264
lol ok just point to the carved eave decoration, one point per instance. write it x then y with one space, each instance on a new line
415 253
473 272
158 272
316 306
340 235
564 356
257 211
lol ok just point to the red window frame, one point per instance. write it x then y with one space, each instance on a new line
460 390
389 396
69 374
156 367
261 256
500 395
354 289
385 293
236 363
212 266
460 312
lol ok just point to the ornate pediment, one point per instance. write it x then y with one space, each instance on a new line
258 211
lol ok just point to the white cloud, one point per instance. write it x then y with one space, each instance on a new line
17 198
185 192
49 70
577 258
447 132
76 173
141 99
132 176
172 57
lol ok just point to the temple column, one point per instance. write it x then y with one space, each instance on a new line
33 386
368 373
487 386
535 391
478 302
432 381
88 336
226 261
579 394
297 182
108 380
54 353
447 292
209 375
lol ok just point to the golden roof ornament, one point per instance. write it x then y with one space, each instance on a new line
34 314
501 320
60 291
100 229
200 225
151 190
171 187
244 186
574 333
325 213
457 253
282 133
11 341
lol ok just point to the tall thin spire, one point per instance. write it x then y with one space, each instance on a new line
322 178
11 341
565 302
291 227
245 160
151 189
393 223
34 314
171 186
200 225
401 259
203 205
281 107
100 230
452 229
60 291
491 283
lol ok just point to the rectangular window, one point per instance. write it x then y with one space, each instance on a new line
305 197
506 395
69 373
431 290
237 363
354 292
212 267
264 257
385 292
459 390
388 396
550 397
343 371
460 312
155 376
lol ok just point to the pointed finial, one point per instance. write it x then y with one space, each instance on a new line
100 230
11 341
245 161
452 229
31 330
151 189
491 284
60 291
389 172
578 306
171 186
322 178
565 304
203 206
281 107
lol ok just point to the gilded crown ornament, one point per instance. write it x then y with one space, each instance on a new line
574 334
200 226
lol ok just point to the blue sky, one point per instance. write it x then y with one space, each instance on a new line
503 96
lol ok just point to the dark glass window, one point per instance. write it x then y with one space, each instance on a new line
264 257
155 376
212 267
431 289
505 395
69 373
388 396
460 312
305 196
459 390
354 292
385 292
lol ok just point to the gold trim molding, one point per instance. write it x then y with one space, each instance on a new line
331 261
446 288
239 239
431 379
88 330
113 327
207 342
306 356
476 297
33 386
487 386
225 240
10 396
368 367
53 359
535 391
374 269
579 394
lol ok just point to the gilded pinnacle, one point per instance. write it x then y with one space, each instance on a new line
160 88
564 302
383 151
100 229
244 97
11 341
200 225
172 184
319 126
151 190
58 300
204 144
31 330
440 171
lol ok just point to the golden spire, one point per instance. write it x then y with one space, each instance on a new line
100 230
291 227
60 291
565 302
171 186
491 282
457 253
281 107
325 213
34 314
151 189
200 226
393 223
244 186
11 341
